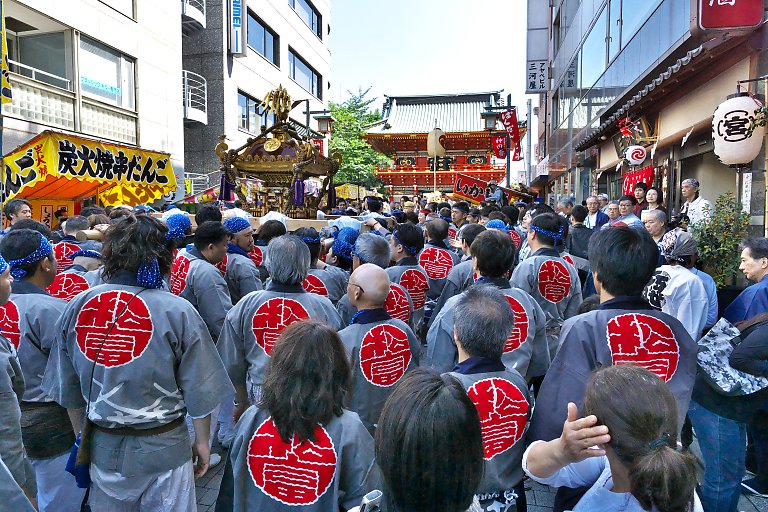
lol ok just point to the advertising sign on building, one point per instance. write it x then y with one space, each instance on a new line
729 14
536 77
473 190
238 22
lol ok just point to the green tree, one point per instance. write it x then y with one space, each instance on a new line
359 160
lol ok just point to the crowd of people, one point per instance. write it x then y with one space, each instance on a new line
410 355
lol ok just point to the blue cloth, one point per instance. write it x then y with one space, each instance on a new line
496 224
3 265
479 364
496 195
723 444
236 224
632 221
752 301
709 285
178 224
600 220
369 316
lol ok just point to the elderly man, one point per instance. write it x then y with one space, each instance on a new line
596 218
655 222
483 324
374 249
695 207
493 255
626 205
242 274
564 208
253 325
604 200
381 348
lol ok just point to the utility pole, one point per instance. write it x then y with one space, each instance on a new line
529 132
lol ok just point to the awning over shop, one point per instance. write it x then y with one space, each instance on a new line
55 165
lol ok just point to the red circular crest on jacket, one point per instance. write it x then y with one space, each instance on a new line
127 339
397 305
503 412
9 323
314 284
295 473
62 251
515 237
67 285
437 262
567 257
646 341
222 265
554 281
256 255
520 331
179 272
384 355
272 317
452 233
416 284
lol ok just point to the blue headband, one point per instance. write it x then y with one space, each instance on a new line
446 219
178 224
236 224
42 251
148 275
3 265
408 248
551 234
496 224
85 254
343 249
309 240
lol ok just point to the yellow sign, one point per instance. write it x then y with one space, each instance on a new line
78 167
5 82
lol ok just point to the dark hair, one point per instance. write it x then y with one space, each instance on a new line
238 203
494 253
550 222
474 212
641 185
76 223
498 215
445 212
579 213
133 241
623 258
306 380
660 194
210 232
470 232
758 247
20 243
119 213
640 412
314 247
207 212
428 444
97 218
443 204
13 206
628 197
271 229
411 217
412 236
589 304
374 204
92 210
512 213
485 211
483 321
537 209
33 225
432 206
437 229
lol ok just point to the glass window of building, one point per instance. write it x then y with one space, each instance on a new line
309 14
106 74
252 117
614 28
263 39
634 13
594 52
303 74
44 57
122 6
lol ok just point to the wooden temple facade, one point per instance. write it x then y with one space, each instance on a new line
402 136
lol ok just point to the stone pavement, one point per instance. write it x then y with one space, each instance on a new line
540 497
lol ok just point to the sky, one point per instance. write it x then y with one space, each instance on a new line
402 47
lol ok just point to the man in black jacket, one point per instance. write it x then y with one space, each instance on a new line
577 243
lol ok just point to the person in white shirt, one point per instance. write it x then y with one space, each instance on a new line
695 207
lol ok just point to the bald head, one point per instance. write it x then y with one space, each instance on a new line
369 287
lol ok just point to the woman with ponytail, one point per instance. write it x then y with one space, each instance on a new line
624 447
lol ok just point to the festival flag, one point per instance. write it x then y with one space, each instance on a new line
5 92
499 143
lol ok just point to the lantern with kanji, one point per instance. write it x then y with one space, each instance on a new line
736 143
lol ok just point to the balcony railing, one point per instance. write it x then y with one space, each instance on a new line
195 97
192 16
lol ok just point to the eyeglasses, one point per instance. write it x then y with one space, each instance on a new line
353 284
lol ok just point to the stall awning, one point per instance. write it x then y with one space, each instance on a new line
55 165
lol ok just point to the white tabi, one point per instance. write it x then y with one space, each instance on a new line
381 350
501 398
242 275
412 276
254 324
525 350
554 284
29 321
143 359
398 305
624 330
676 291
332 472
330 282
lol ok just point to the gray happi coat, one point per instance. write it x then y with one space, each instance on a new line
526 350
399 305
69 283
380 349
332 472
624 330
502 402
554 284
242 276
411 276
329 282
437 259
11 391
156 364
459 279
253 325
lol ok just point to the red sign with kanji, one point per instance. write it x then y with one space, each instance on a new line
499 143
644 175
721 14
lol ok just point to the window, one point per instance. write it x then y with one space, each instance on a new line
593 52
252 117
45 58
309 15
106 74
262 39
303 74
634 14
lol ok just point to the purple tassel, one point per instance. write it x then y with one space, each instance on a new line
226 188
298 191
